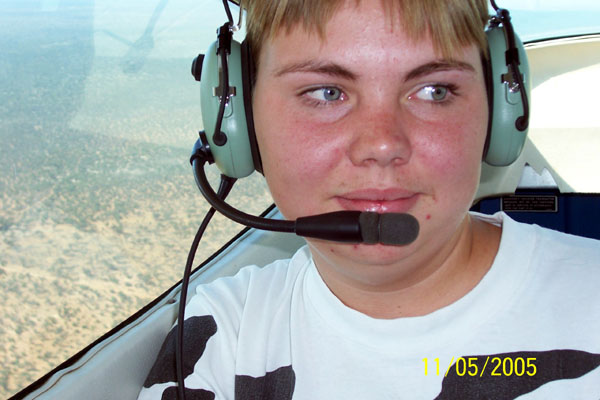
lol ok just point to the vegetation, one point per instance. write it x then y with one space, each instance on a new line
97 215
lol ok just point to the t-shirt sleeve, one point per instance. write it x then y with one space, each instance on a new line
209 346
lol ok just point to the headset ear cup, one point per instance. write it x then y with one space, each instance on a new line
234 158
248 78
505 141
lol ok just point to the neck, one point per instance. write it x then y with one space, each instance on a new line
424 287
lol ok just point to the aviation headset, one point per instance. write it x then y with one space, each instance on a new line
227 70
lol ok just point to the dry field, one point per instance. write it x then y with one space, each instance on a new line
97 215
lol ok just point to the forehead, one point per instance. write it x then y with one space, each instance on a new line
344 17
452 24
357 35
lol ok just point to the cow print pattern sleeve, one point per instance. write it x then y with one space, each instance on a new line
197 331
275 385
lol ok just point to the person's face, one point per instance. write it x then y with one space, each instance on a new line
369 120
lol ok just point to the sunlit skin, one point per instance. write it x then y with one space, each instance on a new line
368 120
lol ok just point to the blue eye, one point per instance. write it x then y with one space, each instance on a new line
325 94
434 93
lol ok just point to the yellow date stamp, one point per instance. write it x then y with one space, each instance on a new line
478 366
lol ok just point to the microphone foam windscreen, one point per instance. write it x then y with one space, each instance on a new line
397 229
369 227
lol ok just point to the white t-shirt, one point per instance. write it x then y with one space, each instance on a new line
530 328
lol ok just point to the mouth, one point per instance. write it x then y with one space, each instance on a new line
379 201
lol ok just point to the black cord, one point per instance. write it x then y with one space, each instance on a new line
238 216
219 138
224 39
224 189
228 11
522 122
510 32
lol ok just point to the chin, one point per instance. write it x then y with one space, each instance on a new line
368 254
380 254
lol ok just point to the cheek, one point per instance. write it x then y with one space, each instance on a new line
287 138
297 156
301 150
451 150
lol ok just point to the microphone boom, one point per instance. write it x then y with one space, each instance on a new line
396 229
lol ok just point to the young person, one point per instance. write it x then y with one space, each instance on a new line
382 106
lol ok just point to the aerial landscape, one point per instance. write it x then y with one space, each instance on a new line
92 228
98 205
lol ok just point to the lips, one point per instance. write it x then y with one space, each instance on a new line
377 200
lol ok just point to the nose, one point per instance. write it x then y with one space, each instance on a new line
379 138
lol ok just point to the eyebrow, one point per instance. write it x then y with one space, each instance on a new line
326 68
438 66
336 70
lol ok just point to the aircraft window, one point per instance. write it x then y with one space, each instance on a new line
98 205
564 122
541 19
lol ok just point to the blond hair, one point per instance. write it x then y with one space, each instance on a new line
451 24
